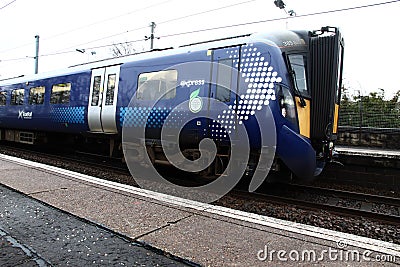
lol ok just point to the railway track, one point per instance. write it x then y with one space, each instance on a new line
347 203
354 204
65 159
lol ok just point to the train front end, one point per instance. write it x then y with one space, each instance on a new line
238 107
314 61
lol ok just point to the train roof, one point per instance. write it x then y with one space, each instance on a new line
274 38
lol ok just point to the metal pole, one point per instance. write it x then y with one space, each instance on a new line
153 26
37 54
361 118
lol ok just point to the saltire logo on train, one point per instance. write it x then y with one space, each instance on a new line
25 115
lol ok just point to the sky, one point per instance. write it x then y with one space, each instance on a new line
371 34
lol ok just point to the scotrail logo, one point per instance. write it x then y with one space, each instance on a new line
24 115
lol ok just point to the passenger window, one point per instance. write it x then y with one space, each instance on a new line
224 80
157 85
287 104
96 90
110 89
60 93
3 98
298 67
36 95
17 97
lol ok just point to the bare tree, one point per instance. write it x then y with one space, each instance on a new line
122 49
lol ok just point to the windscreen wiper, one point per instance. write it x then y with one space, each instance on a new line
297 91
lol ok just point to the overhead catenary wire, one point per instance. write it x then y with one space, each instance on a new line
70 51
91 24
205 12
261 21
109 19
159 23
127 31
222 27
6 5
227 26
278 19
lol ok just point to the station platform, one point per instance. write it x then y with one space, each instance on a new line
153 229
369 156
368 152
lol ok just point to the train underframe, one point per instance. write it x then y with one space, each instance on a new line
111 146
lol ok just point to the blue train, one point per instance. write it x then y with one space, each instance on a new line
295 76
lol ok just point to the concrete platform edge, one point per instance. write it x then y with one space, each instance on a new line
329 235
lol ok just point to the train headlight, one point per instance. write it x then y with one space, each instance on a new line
283 111
286 104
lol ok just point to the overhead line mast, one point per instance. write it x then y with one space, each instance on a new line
37 55
151 38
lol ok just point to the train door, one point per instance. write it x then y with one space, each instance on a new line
224 88
225 75
103 100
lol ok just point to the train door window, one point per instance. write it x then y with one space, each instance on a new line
96 91
17 97
110 89
3 98
36 95
157 85
297 64
60 93
224 80
287 104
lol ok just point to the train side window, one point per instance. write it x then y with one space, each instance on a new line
3 98
60 93
224 80
36 95
297 64
17 96
110 89
157 85
287 104
96 91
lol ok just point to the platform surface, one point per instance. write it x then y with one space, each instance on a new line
34 234
368 152
202 233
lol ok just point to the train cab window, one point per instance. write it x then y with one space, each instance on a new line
287 104
297 64
224 80
110 89
3 98
157 85
60 93
96 91
36 95
17 97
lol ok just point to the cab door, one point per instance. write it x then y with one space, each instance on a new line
225 74
103 100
